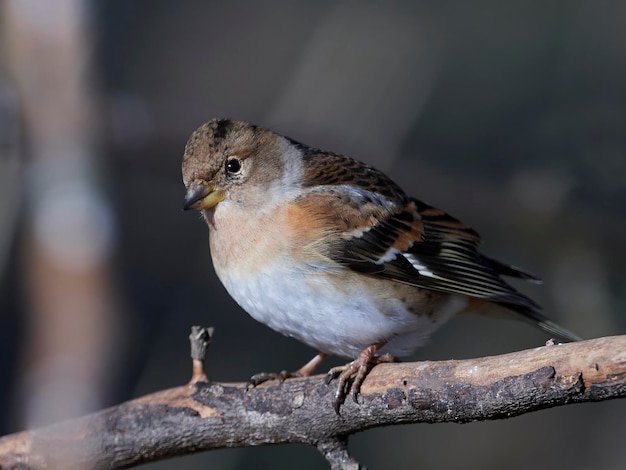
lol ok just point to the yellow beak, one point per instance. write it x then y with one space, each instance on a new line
200 196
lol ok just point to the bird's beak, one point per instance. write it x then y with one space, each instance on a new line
201 195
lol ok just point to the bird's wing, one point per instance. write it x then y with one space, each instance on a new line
379 231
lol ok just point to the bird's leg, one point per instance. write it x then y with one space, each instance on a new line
351 376
304 371
308 368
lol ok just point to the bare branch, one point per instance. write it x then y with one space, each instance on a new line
204 416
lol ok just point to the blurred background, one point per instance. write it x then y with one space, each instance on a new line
509 115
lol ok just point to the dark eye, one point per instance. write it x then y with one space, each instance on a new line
233 165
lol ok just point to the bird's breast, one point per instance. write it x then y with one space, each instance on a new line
241 243
244 242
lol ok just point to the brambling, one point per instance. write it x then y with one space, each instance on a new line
332 252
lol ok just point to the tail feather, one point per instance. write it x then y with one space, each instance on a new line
528 310
538 319
511 271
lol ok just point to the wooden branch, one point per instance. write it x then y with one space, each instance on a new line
210 415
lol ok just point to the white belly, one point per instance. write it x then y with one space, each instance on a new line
312 309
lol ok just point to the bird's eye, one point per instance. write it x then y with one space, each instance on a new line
233 165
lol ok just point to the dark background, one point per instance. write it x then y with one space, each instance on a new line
509 115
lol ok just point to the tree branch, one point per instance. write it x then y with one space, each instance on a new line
210 415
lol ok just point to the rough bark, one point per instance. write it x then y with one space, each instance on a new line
210 415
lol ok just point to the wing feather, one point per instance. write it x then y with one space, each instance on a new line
378 230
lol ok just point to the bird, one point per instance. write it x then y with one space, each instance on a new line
332 252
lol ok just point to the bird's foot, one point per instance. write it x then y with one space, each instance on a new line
261 377
304 371
351 376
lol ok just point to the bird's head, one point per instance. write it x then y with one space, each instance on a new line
234 161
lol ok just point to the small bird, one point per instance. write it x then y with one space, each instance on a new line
330 251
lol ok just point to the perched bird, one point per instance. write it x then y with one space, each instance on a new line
332 252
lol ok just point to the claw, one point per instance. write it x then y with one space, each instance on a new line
304 371
350 377
330 376
337 405
258 379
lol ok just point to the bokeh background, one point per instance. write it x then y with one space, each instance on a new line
510 115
